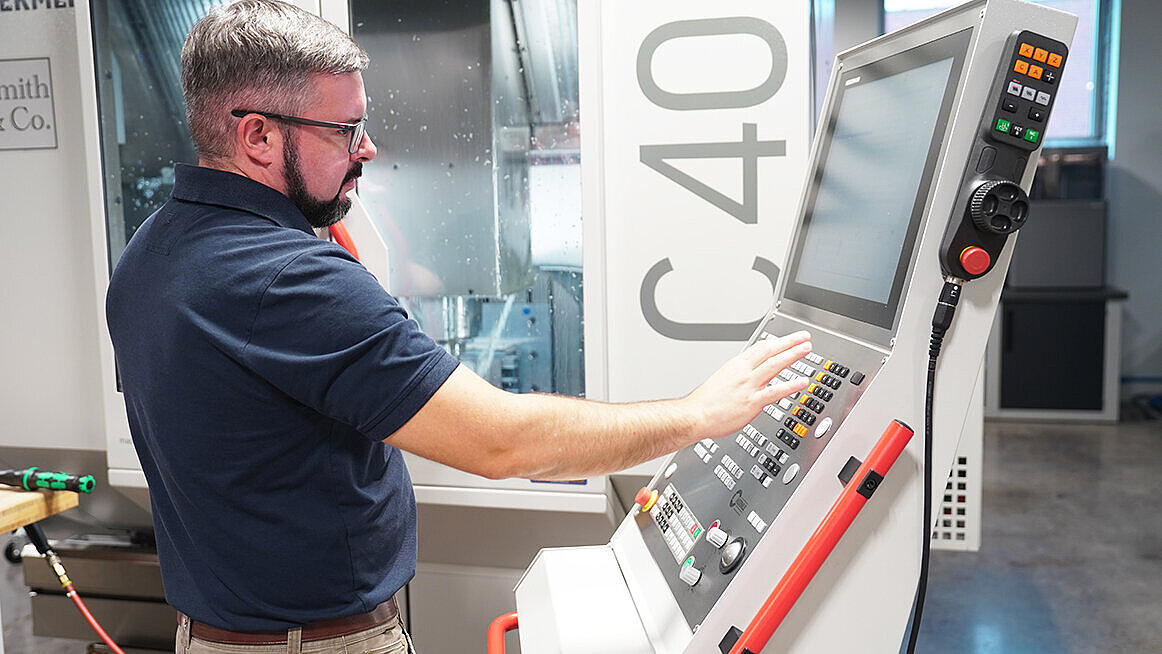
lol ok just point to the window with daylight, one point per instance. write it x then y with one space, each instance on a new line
1082 115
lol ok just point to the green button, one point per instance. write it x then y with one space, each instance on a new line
1003 125
1032 135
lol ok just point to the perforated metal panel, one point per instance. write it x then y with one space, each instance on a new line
958 518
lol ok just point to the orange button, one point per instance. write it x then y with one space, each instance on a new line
1040 54
819 377
801 430
803 399
1054 60
1035 72
1026 50
1021 66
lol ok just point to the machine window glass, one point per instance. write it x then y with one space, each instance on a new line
137 51
878 154
1080 114
477 187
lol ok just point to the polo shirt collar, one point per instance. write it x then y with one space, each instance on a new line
231 190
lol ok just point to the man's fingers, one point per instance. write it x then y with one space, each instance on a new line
766 348
776 392
773 365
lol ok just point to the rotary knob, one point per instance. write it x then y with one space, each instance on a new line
999 206
690 575
716 537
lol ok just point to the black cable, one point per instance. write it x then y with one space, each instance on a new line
941 320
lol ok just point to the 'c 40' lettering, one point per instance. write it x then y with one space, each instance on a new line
748 149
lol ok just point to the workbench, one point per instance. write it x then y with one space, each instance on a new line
19 508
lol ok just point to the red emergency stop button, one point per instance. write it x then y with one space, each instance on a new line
646 498
975 260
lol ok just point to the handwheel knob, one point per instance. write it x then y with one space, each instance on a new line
999 206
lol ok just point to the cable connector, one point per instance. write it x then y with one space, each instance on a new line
942 318
946 305
54 562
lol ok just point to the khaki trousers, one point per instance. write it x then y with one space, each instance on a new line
387 638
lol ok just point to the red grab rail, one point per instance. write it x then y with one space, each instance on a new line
496 631
866 479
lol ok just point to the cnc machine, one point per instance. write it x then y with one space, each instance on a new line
926 147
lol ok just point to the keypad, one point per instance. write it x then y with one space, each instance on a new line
1029 90
796 415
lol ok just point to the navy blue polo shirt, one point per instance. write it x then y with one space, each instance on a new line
262 367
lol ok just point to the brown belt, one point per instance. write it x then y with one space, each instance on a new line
331 628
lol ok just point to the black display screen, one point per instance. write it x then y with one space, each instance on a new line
869 190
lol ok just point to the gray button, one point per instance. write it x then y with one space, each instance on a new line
1028 93
732 555
988 156
790 473
1043 98
1014 88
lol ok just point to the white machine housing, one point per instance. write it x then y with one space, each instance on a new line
773 498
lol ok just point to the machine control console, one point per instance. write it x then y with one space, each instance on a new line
1023 93
716 498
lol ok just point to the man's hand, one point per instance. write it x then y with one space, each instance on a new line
739 390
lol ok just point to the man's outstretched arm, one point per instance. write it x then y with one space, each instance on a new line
473 426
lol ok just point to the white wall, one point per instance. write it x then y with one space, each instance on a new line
49 395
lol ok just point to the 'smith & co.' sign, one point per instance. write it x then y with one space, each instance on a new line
27 114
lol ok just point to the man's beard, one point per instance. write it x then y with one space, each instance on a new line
319 214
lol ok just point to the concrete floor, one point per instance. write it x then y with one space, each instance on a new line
1071 553
1070 561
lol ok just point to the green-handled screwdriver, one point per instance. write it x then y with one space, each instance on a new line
36 479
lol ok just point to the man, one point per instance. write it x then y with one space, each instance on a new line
270 381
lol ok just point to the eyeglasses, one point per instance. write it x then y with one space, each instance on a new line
355 129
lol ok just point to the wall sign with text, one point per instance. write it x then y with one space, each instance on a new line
27 112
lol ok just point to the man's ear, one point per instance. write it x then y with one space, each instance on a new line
259 139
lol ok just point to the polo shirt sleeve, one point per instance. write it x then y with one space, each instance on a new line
326 333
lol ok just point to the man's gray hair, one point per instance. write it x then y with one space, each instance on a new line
258 55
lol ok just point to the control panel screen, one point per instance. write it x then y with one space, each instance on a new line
876 163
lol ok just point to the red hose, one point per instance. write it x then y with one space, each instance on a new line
343 237
71 593
496 631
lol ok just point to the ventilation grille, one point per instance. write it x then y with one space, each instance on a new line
958 517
